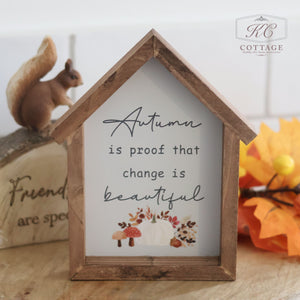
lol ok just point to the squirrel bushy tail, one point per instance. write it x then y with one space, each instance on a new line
28 75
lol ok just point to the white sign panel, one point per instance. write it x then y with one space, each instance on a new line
153 166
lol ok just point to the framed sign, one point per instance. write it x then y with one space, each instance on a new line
152 172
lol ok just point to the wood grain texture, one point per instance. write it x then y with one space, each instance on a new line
157 272
20 142
151 268
152 45
76 201
230 176
41 272
152 260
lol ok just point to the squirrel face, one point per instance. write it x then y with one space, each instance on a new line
70 77
74 78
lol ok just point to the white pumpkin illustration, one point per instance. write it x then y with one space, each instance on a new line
156 232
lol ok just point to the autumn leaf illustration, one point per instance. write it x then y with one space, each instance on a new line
132 219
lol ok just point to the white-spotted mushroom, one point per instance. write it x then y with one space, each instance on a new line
132 232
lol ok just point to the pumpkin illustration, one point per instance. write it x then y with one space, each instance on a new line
156 233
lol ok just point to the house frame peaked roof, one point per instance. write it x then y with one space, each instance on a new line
152 45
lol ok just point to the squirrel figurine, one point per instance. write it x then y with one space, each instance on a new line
32 101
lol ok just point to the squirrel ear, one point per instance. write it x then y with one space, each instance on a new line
69 65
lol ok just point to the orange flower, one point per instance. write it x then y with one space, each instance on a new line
272 162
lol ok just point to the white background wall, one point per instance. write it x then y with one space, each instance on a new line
96 34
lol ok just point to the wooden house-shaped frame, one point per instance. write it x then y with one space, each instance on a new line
70 127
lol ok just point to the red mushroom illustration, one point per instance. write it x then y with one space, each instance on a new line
132 232
119 235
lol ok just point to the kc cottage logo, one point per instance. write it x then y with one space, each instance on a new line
261 34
